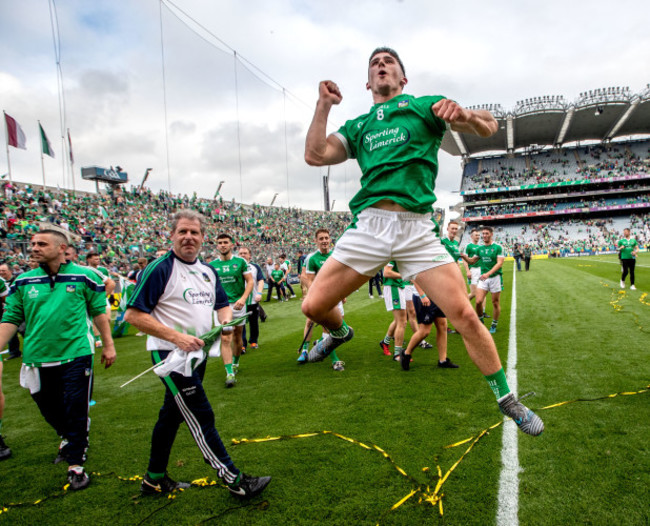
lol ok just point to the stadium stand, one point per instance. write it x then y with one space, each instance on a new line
124 224
561 201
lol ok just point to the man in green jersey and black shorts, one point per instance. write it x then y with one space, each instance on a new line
313 263
628 249
238 283
57 301
396 144
491 278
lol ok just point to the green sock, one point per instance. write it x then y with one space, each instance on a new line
334 357
228 368
305 346
388 339
155 476
341 332
398 350
498 383
0 424
235 360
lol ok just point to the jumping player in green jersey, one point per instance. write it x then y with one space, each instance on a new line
396 144
491 280
237 281
628 248
313 263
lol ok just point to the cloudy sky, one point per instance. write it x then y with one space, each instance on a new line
240 80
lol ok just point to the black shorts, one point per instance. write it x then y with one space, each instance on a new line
426 315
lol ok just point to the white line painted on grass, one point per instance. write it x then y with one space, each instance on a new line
616 263
508 508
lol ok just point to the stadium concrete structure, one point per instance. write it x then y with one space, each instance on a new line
563 165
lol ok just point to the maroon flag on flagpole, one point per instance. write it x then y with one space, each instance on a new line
15 134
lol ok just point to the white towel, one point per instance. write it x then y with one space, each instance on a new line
180 362
30 378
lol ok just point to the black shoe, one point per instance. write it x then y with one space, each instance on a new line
447 364
425 345
10 356
5 452
161 486
249 487
78 478
405 360
60 456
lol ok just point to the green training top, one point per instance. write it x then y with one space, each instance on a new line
316 260
471 250
396 145
57 312
231 273
277 275
489 255
628 246
394 282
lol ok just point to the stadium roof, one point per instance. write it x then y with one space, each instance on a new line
600 115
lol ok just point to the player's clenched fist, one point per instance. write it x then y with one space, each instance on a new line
329 91
451 112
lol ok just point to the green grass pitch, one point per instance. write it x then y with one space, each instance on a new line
578 337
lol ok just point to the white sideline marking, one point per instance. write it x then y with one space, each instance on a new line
617 263
508 506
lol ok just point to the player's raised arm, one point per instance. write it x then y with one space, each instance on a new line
477 122
320 149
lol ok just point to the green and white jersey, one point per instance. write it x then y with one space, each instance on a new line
489 255
394 282
231 273
57 312
396 145
315 261
4 290
452 247
104 271
627 246
471 250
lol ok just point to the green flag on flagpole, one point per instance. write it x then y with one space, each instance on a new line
45 143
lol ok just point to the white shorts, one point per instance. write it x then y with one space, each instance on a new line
474 274
379 236
394 298
493 284
409 292
238 314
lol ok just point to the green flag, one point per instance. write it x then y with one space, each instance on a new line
45 143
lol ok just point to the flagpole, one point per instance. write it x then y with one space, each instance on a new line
71 159
7 145
42 163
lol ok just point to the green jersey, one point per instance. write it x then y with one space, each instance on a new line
104 271
452 247
277 275
627 246
471 250
57 312
396 145
316 260
394 282
231 274
489 256
4 290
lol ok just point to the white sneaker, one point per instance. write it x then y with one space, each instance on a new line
632 287
622 284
